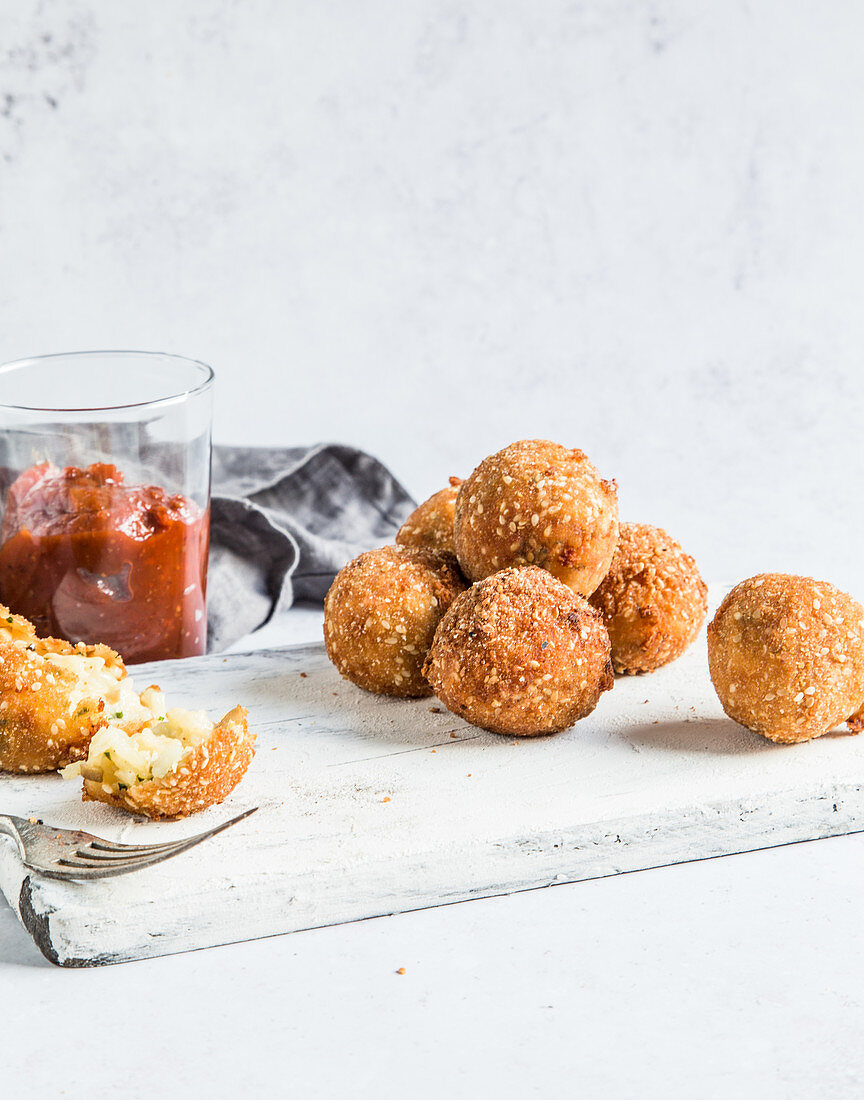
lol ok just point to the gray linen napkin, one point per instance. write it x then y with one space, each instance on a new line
284 521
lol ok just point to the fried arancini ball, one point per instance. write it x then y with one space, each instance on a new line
381 613
537 503
652 600
520 653
53 696
430 525
786 659
168 768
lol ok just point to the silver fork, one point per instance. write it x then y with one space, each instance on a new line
71 853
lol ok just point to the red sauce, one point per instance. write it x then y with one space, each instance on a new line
91 559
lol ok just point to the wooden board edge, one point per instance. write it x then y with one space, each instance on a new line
518 864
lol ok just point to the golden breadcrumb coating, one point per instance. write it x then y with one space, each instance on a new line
520 653
381 613
430 525
537 503
786 658
58 700
47 715
204 777
652 600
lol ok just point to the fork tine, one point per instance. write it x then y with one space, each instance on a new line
111 864
114 865
101 868
68 869
97 855
108 849
144 853
98 844
89 863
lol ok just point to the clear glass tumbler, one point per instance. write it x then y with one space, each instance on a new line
105 499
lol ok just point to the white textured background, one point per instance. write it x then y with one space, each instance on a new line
429 228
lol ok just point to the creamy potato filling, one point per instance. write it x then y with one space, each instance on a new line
121 757
123 754
96 681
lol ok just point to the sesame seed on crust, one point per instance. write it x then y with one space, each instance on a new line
34 737
205 777
519 653
786 659
537 502
430 525
381 613
653 599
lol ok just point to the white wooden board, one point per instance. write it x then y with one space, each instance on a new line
372 806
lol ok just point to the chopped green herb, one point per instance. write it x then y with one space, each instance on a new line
119 714
8 618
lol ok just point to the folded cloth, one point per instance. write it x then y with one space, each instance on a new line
284 521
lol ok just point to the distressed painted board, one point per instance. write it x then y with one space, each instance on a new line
372 806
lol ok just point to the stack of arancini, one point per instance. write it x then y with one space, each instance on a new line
485 598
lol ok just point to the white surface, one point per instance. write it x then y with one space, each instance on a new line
369 806
743 975
735 977
429 228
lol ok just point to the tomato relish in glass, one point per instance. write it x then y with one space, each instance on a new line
89 558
